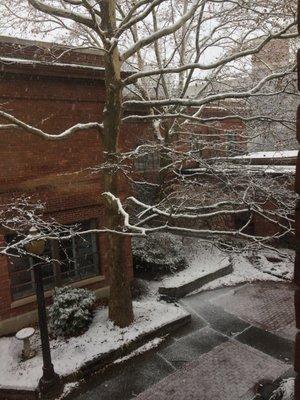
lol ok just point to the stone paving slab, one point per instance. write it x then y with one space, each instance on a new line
230 371
275 346
216 317
127 380
268 306
287 332
196 323
190 347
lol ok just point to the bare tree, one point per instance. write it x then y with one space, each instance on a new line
185 56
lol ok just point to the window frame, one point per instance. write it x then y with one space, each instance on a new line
56 277
147 162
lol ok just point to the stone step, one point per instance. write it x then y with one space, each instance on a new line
172 290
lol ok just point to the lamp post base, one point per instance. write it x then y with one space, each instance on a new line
50 387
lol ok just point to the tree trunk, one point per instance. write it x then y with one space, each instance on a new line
120 302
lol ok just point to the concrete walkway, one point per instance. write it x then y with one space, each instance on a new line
239 338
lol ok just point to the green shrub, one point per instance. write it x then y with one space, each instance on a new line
71 312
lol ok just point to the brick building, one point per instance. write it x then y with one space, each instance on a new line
52 88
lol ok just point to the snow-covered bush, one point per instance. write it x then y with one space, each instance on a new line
158 253
71 312
285 391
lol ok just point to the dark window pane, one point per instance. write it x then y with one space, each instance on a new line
79 256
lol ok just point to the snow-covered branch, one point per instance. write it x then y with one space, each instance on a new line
62 12
163 32
17 123
221 62
212 98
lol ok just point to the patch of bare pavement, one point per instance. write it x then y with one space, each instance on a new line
239 339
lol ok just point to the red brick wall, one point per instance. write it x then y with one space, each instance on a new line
56 172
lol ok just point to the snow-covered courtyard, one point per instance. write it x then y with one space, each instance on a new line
102 337
70 355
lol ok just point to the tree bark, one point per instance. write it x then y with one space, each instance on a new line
120 302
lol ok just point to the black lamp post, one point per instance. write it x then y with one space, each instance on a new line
50 383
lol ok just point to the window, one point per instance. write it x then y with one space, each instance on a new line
232 144
147 161
79 257
71 260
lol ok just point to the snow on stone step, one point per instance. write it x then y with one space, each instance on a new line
206 263
181 285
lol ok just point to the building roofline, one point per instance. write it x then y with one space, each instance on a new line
47 52
32 57
42 68
47 45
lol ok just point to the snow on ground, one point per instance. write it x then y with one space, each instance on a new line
243 271
251 268
68 389
263 265
69 355
285 390
202 258
152 344
278 264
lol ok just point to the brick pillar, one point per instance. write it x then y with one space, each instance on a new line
297 258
